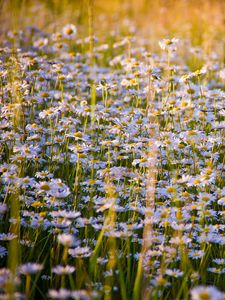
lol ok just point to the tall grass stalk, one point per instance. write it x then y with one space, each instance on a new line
141 287
91 27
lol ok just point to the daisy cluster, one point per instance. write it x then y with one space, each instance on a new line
75 135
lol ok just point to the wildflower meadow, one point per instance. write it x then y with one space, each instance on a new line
112 150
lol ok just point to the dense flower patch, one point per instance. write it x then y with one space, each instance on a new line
75 135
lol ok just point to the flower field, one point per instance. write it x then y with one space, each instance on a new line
112 151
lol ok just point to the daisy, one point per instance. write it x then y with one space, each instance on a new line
169 44
174 273
80 252
66 239
30 268
60 270
206 292
69 31
59 294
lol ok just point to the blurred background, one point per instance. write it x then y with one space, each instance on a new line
200 21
